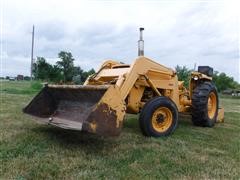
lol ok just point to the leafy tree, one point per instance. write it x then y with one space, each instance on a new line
64 70
223 82
27 78
91 71
77 79
41 69
55 74
80 75
66 65
85 74
183 74
77 71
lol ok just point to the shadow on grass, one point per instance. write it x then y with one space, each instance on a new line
132 122
185 120
90 143
93 143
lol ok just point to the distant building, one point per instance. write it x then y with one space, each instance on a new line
233 92
228 91
12 78
236 92
20 77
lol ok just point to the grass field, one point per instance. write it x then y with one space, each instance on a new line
32 151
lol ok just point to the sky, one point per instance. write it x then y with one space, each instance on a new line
176 33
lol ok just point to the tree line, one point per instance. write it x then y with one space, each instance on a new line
63 71
221 80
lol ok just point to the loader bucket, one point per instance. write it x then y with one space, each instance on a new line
96 109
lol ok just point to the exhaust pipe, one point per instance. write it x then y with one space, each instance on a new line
141 43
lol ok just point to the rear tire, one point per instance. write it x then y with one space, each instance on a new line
159 117
205 105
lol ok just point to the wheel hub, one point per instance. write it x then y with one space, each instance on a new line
160 118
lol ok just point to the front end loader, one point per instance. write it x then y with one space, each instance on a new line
146 87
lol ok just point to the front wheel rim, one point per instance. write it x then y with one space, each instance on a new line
162 119
212 105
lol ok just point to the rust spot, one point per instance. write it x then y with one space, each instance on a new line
106 121
76 107
93 126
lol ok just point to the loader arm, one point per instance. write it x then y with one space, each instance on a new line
133 79
141 67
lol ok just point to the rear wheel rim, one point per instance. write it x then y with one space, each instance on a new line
212 105
162 119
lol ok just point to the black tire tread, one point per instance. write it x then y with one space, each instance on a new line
146 123
199 104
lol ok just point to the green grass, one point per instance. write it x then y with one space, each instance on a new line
21 87
32 151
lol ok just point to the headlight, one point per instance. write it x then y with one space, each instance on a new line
195 78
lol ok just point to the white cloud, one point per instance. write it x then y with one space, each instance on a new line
176 32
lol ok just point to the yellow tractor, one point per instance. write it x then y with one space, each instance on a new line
146 87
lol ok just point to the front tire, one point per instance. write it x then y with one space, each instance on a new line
159 117
205 105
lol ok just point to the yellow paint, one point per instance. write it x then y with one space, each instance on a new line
220 117
131 86
212 105
93 126
162 119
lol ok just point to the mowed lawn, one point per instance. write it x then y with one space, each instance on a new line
29 150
